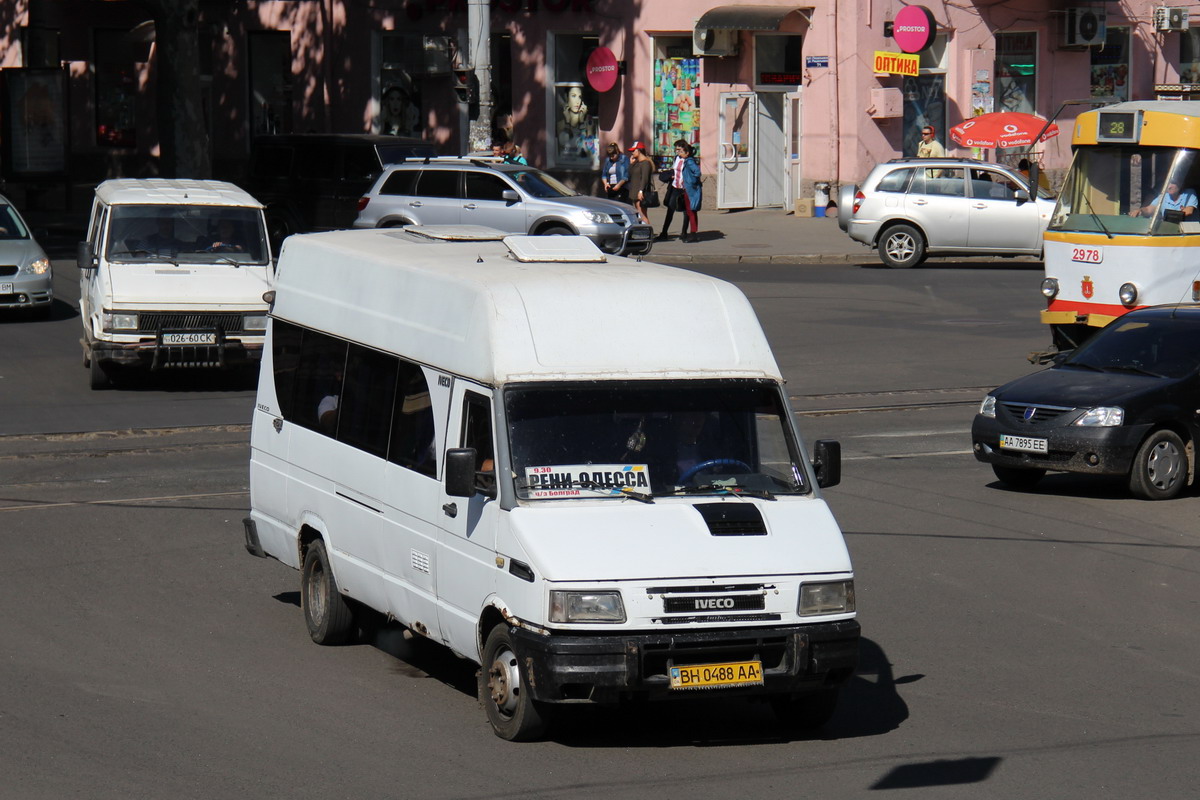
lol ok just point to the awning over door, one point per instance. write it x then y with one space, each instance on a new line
747 18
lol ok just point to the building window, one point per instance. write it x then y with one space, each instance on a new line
573 123
1016 72
1110 66
777 61
1189 56
676 97
406 58
116 90
925 96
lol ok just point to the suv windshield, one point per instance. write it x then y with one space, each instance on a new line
540 184
1168 346
196 234
651 438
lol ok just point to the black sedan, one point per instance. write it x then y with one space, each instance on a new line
1127 402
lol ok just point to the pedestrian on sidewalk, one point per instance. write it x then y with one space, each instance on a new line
685 194
641 173
615 174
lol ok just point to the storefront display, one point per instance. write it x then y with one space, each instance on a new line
676 104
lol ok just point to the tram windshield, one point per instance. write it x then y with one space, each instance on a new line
1130 190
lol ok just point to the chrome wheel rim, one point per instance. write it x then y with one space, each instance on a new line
900 247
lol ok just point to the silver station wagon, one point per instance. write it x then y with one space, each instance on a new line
911 208
509 197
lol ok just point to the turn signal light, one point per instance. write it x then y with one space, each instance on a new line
859 197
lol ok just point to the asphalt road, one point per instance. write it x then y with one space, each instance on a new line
1016 644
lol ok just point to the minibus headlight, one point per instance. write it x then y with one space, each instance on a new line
119 322
586 607
1050 287
39 267
835 597
988 407
1128 294
255 322
1102 417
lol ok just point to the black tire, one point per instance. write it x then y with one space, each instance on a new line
901 247
1018 477
556 230
504 691
806 712
395 223
98 374
326 612
1160 468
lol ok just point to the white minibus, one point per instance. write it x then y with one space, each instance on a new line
577 470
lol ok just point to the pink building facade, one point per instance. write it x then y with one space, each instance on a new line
782 101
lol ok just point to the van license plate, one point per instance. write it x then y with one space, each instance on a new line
707 676
189 338
6 288
1024 443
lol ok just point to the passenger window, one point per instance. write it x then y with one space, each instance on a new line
945 182
895 181
477 433
412 422
367 398
318 382
483 186
438 183
400 182
285 358
991 185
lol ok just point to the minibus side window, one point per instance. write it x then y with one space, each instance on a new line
285 357
318 382
365 406
412 443
477 433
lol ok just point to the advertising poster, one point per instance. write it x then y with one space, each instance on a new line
35 120
575 126
676 105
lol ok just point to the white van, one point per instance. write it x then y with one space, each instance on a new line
576 470
172 274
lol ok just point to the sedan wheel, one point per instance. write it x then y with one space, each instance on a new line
1160 467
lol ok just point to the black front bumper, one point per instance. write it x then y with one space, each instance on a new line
155 355
1072 448
608 668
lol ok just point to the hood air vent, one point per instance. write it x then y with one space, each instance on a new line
732 519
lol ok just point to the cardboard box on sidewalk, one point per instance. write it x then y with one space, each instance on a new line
804 207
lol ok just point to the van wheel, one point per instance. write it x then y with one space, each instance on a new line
326 613
1018 478
504 691
98 374
556 230
1159 470
901 247
805 712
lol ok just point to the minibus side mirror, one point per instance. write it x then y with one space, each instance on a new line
510 195
827 461
462 480
84 256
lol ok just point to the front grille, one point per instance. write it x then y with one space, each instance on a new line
7 269
153 322
766 617
737 602
1040 413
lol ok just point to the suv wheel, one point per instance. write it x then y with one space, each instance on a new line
556 230
901 247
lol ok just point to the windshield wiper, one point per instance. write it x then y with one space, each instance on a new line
1096 216
732 490
623 491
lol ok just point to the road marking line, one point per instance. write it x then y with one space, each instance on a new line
123 500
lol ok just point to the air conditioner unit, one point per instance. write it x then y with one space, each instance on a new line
1084 27
1168 18
714 42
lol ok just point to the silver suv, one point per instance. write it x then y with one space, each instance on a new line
910 208
509 197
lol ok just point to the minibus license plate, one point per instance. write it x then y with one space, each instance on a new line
1025 443
706 676
6 288
189 338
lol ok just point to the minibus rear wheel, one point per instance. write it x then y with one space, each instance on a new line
326 612
504 690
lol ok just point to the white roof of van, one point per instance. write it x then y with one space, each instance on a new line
471 308
174 191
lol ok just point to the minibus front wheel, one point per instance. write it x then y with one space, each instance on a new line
504 690
326 612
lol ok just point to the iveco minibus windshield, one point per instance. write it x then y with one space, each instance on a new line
1113 189
649 439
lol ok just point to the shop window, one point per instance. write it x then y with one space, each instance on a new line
270 82
1110 66
676 97
573 123
777 61
116 90
1016 72
1189 56
925 96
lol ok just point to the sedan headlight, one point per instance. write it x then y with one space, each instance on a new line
1050 288
39 267
988 407
597 217
254 322
1128 293
835 597
586 607
119 322
1102 417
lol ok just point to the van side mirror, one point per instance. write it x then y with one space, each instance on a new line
85 258
462 479
827 461
510 195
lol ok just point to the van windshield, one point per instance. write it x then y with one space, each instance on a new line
196 234
652 439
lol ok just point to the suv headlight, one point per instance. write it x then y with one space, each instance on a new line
597 217
1102 417
586 607
254 322
39 267
835 597
988 407
119 322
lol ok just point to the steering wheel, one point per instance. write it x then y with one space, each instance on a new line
690 473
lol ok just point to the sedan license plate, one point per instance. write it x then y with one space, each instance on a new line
189 338
709 676
1026 444
6 288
